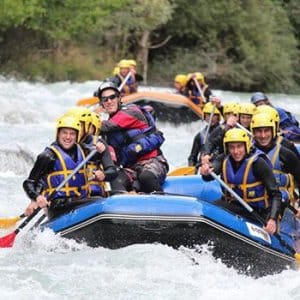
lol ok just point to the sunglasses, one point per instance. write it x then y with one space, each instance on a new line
111 97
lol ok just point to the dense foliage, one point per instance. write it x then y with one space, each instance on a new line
239 45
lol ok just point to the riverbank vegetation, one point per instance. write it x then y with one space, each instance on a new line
239 45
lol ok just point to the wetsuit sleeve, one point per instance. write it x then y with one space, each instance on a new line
291 146
193 157
217 167
290 163
33 185
214 144
263 172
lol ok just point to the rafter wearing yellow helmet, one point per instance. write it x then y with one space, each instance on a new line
83 115
125 79
180 81
197 89
246 111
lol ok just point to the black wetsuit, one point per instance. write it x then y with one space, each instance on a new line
198 145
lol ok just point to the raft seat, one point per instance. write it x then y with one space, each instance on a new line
193 185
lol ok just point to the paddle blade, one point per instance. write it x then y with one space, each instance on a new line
9 222
8 240
88 101
297 257
183 171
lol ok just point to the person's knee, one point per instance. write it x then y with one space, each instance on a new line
149 182
146 176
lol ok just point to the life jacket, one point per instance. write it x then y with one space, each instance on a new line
244 183
63 167
285 181
130 86
133 144
289 125
195 96
95 187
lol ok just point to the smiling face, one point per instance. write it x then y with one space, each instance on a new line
245 120
263 136
67 138
237 150
110 101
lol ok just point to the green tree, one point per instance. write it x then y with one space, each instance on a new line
236 42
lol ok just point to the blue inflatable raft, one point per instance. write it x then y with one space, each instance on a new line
185 214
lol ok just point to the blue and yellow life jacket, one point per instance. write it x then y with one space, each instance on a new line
244 183
285 181
63 167
132 144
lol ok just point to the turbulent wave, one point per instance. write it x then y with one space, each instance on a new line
16 158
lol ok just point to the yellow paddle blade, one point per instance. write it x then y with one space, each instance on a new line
297 257
9 222
183 171
88 101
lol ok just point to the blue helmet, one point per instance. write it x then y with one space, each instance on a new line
258 96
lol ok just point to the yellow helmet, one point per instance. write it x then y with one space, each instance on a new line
263 120
271 111
96 122
124 63
208 107
231 107
181 79
236 135
247 109
69 122
116 71
199 77
83 115
132 62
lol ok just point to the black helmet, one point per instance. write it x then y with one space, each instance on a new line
107 85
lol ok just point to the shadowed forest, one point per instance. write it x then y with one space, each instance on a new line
238 45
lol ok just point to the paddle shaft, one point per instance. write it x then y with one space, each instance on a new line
237 197
124 81
209 123
199 88
251 210
244 128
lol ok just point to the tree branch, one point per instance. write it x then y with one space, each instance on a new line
160 44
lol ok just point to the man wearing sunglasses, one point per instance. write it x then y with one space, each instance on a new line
132 132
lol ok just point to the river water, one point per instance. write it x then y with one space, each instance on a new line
44 266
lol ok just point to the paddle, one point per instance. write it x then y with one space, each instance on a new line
199 89
87 101
244 128
124 81
182 171
253 212
209 123
8 240
10 221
